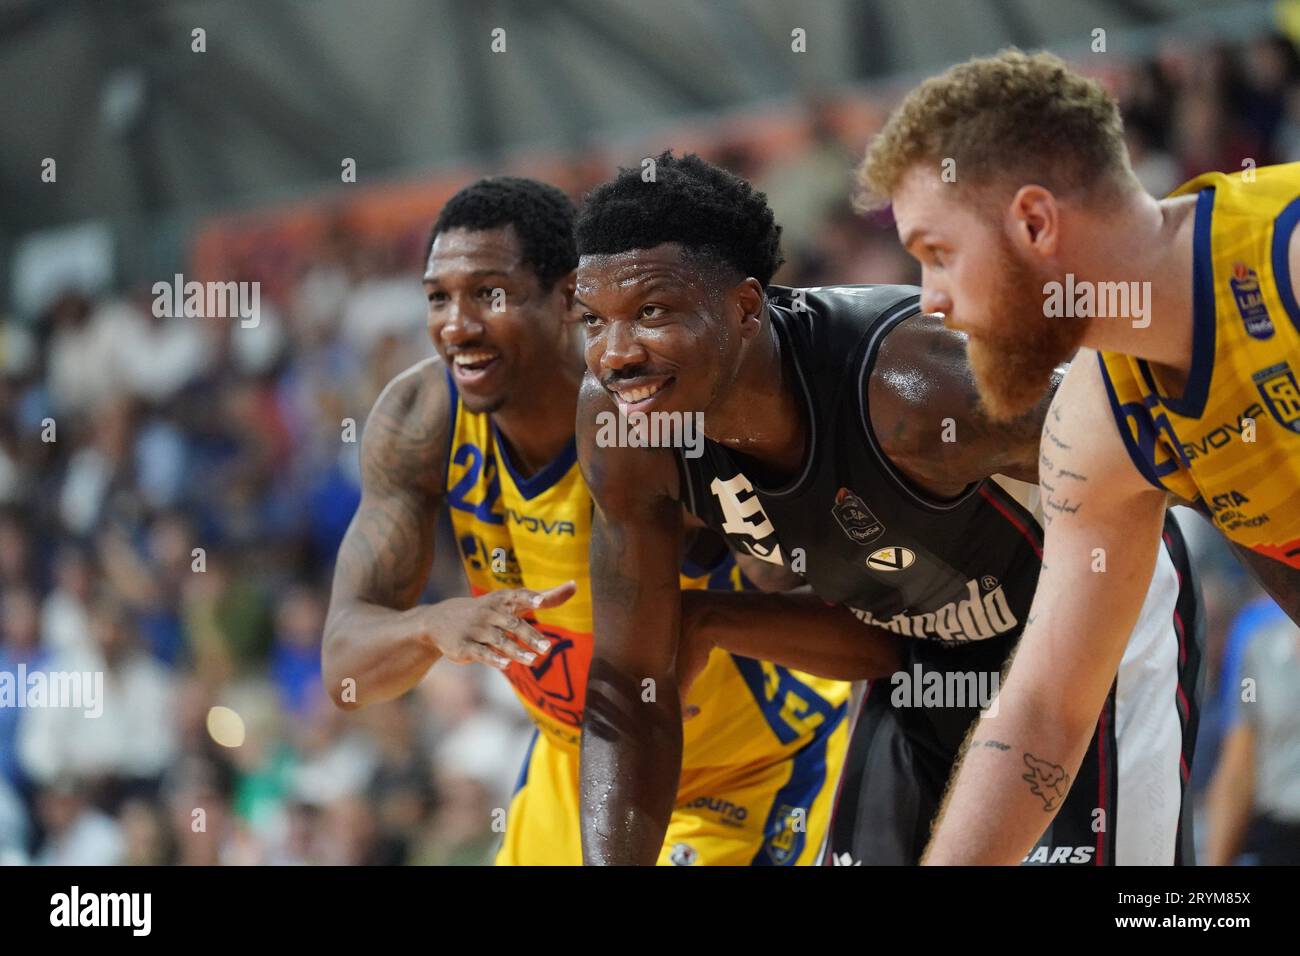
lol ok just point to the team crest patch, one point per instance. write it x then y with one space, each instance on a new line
855 518
1250 302
683 854
891 559
1281 394
784 845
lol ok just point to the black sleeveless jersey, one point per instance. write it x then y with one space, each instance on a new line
850 523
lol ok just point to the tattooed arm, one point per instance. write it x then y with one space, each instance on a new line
632 729
925 413
378 642
1018 765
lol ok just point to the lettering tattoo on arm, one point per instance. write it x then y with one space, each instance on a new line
1055 502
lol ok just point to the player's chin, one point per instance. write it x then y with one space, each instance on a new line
484 404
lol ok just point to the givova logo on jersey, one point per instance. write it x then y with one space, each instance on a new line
1281 394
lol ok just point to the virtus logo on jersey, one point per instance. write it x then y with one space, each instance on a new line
975 617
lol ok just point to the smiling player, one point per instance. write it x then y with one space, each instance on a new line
486 429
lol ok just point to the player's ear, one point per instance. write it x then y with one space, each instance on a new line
750 301
567 286
1035 221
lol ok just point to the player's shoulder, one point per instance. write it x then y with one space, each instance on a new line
409 426
416 389
1082 424
919 368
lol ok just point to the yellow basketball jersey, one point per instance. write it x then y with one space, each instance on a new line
534 532
1232 439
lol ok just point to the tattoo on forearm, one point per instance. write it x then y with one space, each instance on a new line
1046 780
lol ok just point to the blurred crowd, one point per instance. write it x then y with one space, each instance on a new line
172 493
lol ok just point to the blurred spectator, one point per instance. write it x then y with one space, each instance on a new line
76 833
1255 797
19 647
131 738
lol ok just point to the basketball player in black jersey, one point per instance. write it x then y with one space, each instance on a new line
844 442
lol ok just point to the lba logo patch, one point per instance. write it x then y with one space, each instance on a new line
854 517
1281 394
891 559
1250 301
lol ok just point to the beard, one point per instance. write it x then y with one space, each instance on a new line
1013 364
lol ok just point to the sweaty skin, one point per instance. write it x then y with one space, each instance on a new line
642 312
379 642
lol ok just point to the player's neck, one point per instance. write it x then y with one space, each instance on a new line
763 414
1147 245
538 420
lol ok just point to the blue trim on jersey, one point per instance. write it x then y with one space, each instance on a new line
542 480
528 762
800 792
1204 315
1145 469
752 671
1283 226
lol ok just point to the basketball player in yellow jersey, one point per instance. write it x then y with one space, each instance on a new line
1011 185
487 428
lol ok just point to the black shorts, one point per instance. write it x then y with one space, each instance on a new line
1128 802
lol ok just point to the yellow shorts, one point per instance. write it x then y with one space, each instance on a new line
770 814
